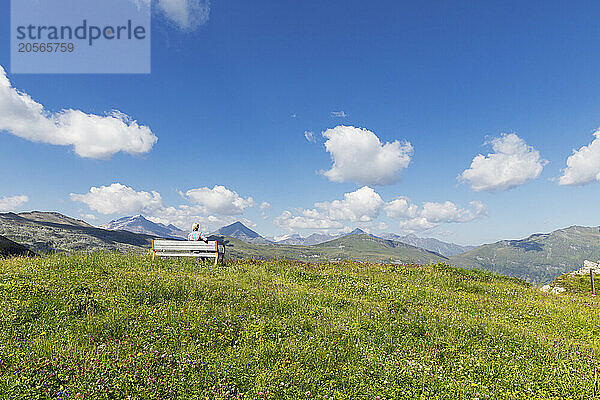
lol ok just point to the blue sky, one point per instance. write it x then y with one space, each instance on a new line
230 101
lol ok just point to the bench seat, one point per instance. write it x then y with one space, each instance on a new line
184 248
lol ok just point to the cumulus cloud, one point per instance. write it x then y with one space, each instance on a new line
12 203
339 114
119 199
448 212
183 216
364 206
413 218
186 14
264 205
418 224
92 136
512 164
359 156
401 208
220 200
309 219
310 137
583 166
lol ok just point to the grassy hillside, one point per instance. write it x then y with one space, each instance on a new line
352 247
370 248
109 326
47 233
539 258
43 236
54 217
444 248
9 248
580 284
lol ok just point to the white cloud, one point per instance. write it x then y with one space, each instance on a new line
401 208
362 205
220 200
89 217
414 218
308 221
512 164
310 137
12 203
183 216
123 200
92 136
339 114
418 224
448 212
119 199
359 156
583 166
186 14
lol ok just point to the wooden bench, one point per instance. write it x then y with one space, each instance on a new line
182 248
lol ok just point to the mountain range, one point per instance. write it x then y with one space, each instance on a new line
362 247
538 258
45 233
139 224
431 244
142 225
237 230
240 231
53 217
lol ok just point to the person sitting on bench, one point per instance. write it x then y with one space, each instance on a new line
195 235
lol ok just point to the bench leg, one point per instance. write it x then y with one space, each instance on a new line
153 254
216 259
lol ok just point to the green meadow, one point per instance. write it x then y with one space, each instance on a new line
113 326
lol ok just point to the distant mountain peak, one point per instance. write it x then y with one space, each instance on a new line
140 224
237 224
237 228
53 217
293 238
444 248
358 231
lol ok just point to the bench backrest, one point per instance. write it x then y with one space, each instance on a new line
186 246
